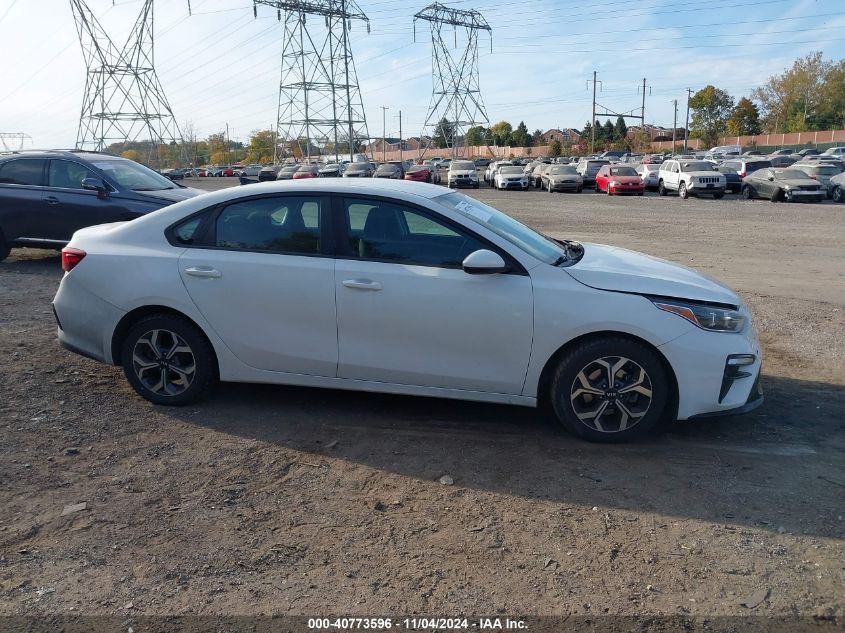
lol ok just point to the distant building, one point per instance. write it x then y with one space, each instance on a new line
657 132
566 136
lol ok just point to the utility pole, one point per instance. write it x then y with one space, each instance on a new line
674 125
593 120
642 111
384 110
401 142
686 126
228 148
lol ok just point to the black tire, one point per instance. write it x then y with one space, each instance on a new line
201 380
475 186
661 189
5 249
748 192
718 196
683 194
836 194
585 356
777 195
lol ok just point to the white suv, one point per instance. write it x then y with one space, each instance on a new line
690 178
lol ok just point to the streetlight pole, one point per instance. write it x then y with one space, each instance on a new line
384 110
686 127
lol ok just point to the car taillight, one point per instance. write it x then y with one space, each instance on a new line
742 174
71 257
813 177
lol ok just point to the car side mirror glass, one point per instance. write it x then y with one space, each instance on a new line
95 184
484 262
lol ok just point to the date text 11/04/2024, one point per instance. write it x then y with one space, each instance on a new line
415 624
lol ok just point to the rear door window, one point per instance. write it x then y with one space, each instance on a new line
23 171
281 224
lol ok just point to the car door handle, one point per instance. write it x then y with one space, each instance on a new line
51 200
203 271
362 284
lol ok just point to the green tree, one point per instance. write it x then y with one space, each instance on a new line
587 132
710 108
501 132
609 134
745 119
620 129
537 137
476 136
555 148
260 148
789 101
443 133
520 136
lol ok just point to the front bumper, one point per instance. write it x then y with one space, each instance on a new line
699 360
513 184
620 189
463 182
801 196
696 188
755 400
568 185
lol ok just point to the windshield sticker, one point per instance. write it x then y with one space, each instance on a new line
478 214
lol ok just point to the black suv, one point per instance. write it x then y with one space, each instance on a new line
45 196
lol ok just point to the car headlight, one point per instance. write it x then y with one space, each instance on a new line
707 317
787 187
614 183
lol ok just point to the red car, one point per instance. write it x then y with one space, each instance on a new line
203 172
616 179
306 171
231 171
418 173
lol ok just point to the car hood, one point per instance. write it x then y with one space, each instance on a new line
172 195
797 182
461 172
703 174
626 179
618 269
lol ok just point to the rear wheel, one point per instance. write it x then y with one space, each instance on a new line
718 196
748 192
5 249
168 360
661 188
836 194
610 390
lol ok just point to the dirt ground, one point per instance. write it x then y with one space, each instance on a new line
273 500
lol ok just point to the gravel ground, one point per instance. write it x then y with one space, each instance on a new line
268 500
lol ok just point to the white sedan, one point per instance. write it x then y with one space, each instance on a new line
400 287
510 177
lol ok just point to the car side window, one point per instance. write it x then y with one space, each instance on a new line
279 224
383 230
67 174
186 232
23 171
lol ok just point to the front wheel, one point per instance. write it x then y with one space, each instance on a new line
777 195
683 194
747 192
610 390
168 360
836 194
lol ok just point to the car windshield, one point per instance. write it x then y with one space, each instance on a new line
331 166
699 165
556 171
132 175
416 168
305 168
535 244
510 169
387 169
790 174
357 167
828 170
623 171
290 169
462 165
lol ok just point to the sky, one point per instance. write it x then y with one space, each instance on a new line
220 65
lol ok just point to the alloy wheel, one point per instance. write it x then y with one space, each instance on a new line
611 394
163 362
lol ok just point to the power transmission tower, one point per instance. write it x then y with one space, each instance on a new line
17 136
124 101
456 95
319 99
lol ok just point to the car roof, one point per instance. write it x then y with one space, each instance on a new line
59 153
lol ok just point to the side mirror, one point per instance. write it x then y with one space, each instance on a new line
484 262
95 184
